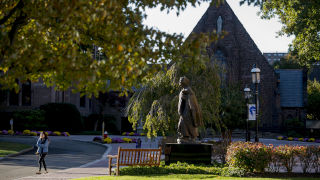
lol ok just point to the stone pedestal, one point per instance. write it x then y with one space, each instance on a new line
190 153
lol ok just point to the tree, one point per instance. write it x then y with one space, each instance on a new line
300 19
287 62
52 41
156 103
233 107
313 100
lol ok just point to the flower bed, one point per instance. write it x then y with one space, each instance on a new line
298 139
27 132
114 140
132 134
257 157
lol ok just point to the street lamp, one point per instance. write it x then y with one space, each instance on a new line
256 80
247 96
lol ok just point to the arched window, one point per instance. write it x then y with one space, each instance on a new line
220 59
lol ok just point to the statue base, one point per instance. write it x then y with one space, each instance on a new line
189 153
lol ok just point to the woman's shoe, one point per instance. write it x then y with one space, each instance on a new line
46 172
39 172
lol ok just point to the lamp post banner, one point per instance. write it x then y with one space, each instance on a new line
252 112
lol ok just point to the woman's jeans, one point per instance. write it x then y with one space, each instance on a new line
41 161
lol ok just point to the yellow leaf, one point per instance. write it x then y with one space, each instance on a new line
120 48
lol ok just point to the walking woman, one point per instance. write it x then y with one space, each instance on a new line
42 144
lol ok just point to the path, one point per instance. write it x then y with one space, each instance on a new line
63 154
96 168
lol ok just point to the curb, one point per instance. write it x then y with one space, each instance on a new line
18 153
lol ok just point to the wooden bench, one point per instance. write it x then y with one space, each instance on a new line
135 157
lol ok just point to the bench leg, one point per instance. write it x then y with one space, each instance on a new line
118 172
110 161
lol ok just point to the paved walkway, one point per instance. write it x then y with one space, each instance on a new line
95 168
63 154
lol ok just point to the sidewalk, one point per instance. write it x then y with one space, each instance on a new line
95 168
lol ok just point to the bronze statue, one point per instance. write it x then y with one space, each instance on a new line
189 112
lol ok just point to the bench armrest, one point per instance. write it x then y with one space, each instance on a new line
112 156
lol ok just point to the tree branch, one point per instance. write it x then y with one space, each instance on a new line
12 11
19 21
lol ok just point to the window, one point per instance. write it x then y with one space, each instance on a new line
13 98
26 94
3 97
83 101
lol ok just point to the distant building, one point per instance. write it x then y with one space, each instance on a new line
292 89
274 56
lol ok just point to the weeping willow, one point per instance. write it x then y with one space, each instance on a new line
155 104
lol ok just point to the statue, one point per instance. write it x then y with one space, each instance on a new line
189 112
219 25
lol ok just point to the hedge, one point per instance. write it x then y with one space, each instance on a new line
257 157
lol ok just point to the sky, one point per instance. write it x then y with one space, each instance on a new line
263 32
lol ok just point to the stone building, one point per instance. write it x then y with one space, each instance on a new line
237 53
33 95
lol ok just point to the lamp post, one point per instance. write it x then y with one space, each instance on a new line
256 80
247 96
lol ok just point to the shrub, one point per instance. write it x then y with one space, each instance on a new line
97 139
305 155
26 132
107 140
5 132
33 134
219 150
287 156
127 140
29 119
66 134
0 132
290 138
249 156
124 133
62 116
11 132
56 133
182 168
280 138
316 160
233 172
301 139
311 140
131 133
117 140
275 163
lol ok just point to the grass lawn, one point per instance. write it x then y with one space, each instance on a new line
7 148
180 176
